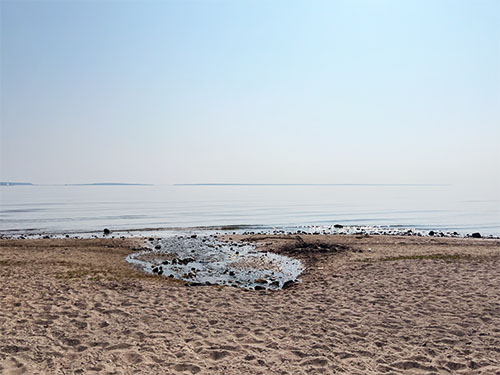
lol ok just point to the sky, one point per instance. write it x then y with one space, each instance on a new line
250 91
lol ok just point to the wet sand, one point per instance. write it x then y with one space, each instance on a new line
366 305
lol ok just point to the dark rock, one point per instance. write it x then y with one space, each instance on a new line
476 235
431 233
231 273
194 236
106 231
260 281
287 284
338 226
155 270
193 284
151 239
158 247
258 287
186 260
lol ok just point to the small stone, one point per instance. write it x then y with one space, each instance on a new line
476 235
106 231
431 233
158 247
338 226
194 236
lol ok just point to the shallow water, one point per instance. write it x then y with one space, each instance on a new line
207 261
76 209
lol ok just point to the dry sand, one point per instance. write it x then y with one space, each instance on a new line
402 305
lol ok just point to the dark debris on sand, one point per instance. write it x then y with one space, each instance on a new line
309 250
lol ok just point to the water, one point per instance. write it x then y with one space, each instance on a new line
207 261
76 209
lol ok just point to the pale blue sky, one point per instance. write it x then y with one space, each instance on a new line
251 91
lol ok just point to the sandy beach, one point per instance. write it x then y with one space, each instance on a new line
365 305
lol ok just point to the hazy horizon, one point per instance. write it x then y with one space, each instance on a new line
248 92
213 184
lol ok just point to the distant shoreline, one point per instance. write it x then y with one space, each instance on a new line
7 183
230 184
91 184
2 183
108 184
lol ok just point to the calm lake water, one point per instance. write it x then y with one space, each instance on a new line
73 209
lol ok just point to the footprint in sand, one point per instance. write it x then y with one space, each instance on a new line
132 358
12 366
315 362
183 367
217 355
